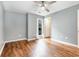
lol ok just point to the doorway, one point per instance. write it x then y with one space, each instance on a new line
40 28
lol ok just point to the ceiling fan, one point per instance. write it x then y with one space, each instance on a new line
43 4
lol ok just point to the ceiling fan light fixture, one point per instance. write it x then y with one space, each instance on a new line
45 5
43 8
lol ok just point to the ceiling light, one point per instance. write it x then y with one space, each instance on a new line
43 8
45 5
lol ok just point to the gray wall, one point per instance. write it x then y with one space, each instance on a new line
19 26
64 25
1 26
32 25
15 26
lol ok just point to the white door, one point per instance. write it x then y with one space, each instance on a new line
78 26
40 28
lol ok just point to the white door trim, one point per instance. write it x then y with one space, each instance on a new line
42 27
78 26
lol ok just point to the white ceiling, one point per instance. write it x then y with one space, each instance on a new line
31 7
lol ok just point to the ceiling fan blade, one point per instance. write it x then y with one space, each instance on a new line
38 2
46 9
51 2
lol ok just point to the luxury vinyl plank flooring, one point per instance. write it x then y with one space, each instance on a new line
39 48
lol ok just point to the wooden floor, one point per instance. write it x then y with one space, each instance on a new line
39 48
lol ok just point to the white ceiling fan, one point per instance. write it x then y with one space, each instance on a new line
44 4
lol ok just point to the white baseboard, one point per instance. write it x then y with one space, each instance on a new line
66 43
31 39
2 48
15 40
